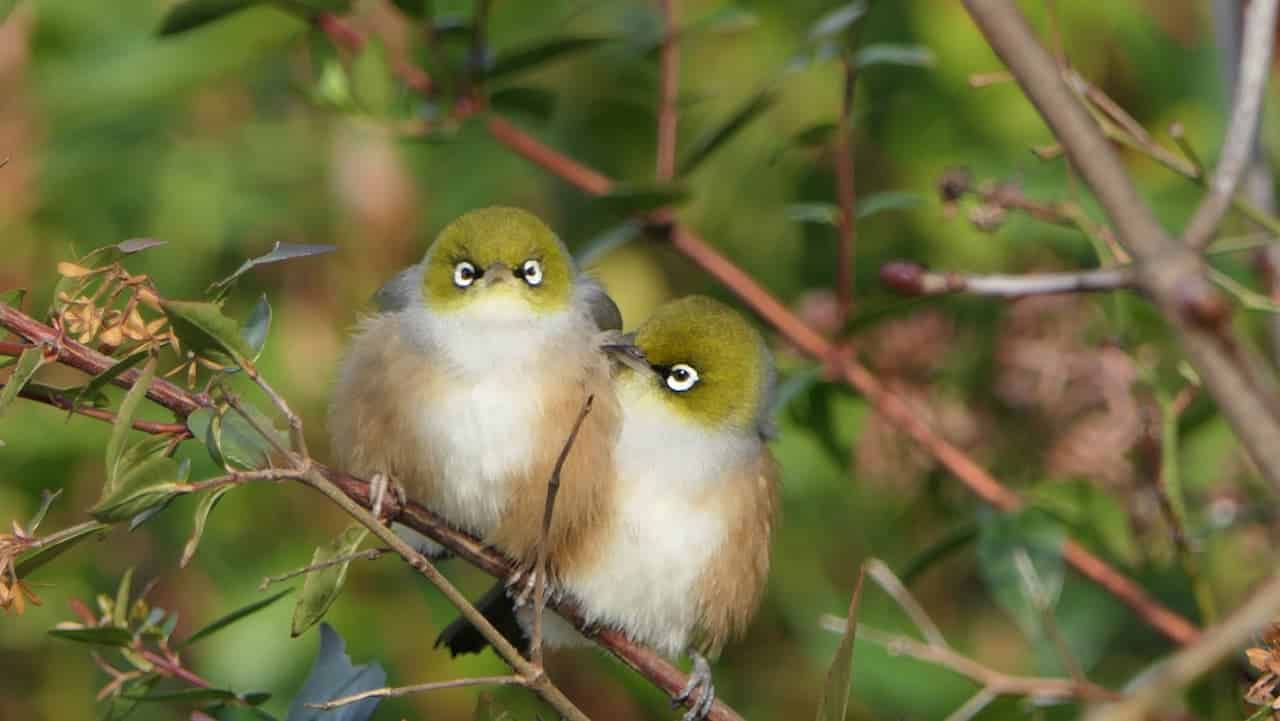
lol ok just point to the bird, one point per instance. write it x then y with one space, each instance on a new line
459 390
680 561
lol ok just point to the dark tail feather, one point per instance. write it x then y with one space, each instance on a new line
461 637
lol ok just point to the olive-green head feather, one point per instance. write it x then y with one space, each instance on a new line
708 363
501 256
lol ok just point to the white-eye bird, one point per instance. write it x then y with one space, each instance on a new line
461 390
679 562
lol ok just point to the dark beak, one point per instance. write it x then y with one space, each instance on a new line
628 353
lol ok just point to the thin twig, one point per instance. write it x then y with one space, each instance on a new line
911 279
392 692
890 583
236 478
668 90
296 436
67 403
234 401
1238 145
553 489
368 554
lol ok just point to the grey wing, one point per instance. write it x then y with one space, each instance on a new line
402 291
600 306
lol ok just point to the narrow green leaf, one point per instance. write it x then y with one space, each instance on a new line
875 203
13 297
255 698
120 610
98 636
230 618
94 387
536 103
123 422
413 8
838 20
322 587
710 141
526 58
916 56
187 695
146 514
203 510
258 326
371 81
834 703
148 484
28 363
47 497
239 443
629 199
191 14
954 540
725 19
202 326
278 252
31 560
819 213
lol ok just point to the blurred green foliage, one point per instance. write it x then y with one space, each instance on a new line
253 130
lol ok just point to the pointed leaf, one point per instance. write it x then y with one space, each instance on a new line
31 560
258 326
536 103
279 252
239 442
187 695
202 515
889 54
151 483
526 58
120 609
838 20
870 205
47 497
98 636
28 363
146 514
202 327
236 615
123 422
191 14
629 199
94 387
137 245
820 213
13 297
322 587
332 676
200 423
834 703
710 141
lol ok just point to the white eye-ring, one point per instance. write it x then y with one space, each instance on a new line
681 377
464 274
531 271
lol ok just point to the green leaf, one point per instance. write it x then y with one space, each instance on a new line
413 8
188 695
536 103
13 297
192 14
1020 559
629 199
607 242
120 707
236 615
526 58
258 326
47 498
820 213
1093 515
726 19
278 252
332 676
710 141
120 609
200 423
95 386
203 510
98 636
149 484
869 205
202 326
28 363
322 587
31 560
239 443
123 423
371 81
834 703
890 54
838 20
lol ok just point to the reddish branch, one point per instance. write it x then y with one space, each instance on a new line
668 90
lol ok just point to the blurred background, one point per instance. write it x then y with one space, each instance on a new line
253 129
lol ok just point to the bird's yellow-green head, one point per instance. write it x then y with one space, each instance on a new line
501 257
703 360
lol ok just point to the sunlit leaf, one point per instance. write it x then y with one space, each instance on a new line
536 103
916 56
322 587
47 497
838 20
100 636
713 139
137 245
120 609
28 363
371 81
258 326
95 386
123 423
513 61
31 560
237 615
201 517
279 252
191 14
834 702
332 676
202 327
629 199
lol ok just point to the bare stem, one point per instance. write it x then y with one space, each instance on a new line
368 554
392 692
889 582
669 90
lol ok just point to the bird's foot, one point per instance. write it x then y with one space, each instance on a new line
522 586
699 680
379 486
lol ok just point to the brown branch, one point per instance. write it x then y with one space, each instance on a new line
845 193
1170 272
1238 145
67 403
668 90
888 404
911 279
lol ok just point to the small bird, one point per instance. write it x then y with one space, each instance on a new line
460 391
679 563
